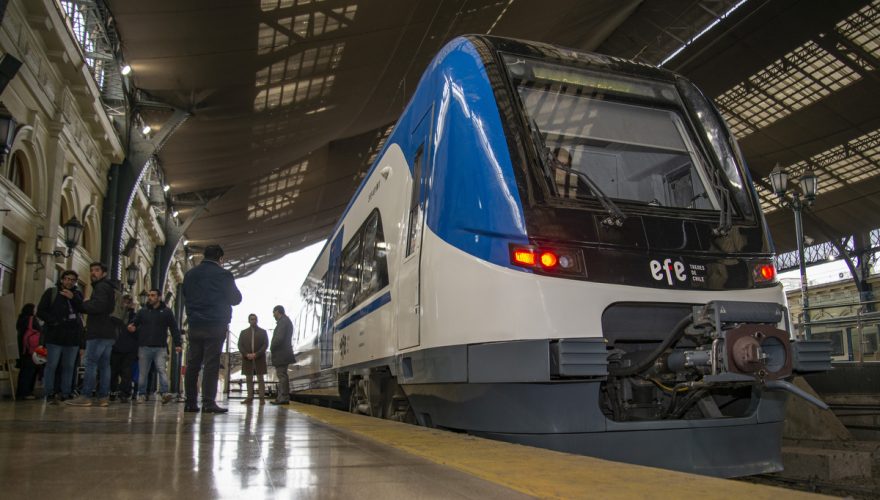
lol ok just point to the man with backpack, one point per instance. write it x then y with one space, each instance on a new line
59 309
101 331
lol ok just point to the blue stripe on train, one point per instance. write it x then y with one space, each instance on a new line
367 309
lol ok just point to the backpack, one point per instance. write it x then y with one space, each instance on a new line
31 339
119 313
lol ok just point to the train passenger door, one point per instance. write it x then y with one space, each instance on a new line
408 277
330 298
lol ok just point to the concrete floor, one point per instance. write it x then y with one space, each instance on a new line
155 451
302 451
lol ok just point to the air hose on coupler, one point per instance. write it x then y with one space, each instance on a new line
644 364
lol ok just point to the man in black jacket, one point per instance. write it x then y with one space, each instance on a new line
123 356
152 323
59 308
282 353
101 332
209 292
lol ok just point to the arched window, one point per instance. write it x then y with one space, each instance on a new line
87 239
18 171
8 261
63 216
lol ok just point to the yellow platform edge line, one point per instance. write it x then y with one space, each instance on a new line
539 472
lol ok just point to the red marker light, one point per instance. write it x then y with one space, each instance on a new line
764 273
524 257
768 272
549 259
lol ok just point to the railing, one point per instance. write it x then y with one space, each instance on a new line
852 326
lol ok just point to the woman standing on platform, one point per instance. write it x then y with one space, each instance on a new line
252 344
27 376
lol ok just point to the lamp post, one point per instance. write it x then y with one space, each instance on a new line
143 297
73 229
808 187
131 274
72 232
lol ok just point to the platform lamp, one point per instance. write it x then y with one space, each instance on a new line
131 275
73 229
804 196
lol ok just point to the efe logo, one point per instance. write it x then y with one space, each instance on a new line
668 269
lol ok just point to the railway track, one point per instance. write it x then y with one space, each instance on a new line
851 488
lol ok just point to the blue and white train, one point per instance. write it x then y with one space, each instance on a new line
564 250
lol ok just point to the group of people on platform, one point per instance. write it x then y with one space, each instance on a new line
253 342
117 339
111 346
209 292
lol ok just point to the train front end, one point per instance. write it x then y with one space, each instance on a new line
647 261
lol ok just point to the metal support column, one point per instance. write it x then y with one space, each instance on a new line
805 299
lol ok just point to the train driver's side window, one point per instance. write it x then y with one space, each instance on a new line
351 273
364 269
375 269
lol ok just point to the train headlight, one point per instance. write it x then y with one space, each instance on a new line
567 261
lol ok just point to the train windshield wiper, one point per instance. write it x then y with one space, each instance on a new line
724 204
542 148
615 215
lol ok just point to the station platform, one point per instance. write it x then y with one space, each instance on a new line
302 451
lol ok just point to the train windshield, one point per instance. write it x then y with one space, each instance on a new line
614 137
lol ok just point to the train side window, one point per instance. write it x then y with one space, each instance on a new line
363 266
308 323
375 269
323 306
297 326
351 273
317 312
301 320
313 321
414 205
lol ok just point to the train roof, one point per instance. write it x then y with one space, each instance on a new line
571 57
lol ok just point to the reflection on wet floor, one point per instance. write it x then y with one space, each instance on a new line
156 451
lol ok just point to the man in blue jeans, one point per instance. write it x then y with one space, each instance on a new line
59 309
152 324
209 292
101 332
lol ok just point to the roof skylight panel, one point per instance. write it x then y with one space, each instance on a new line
800 78
286 78
855 169
863 28
828 72
836 167
767 199
268 5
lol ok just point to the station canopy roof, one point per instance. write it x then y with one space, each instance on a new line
290 100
